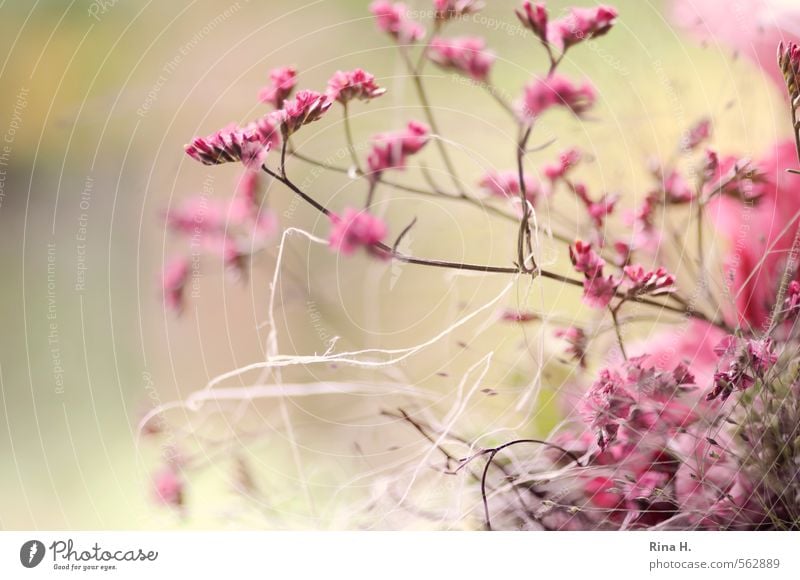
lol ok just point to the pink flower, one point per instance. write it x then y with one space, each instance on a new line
576 338
792 302
506 184
697 135
581 24
392 18
760 237
391 150
606 405
307 107
357 84
567 160
467 55
742 361
249 145
518 316
641 281
447 9
534 17
282 83
598 291
168 487
542 94
173 281
356 229
676 189
586 260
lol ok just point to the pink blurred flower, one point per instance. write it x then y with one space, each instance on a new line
168 487
698 134
392 18
391 150
542 94
567 160
505 184
576 338
518 316
534 17
357 229
598 291
173 281
356 84
467 55
447 9
755 263
307 107
586 260
282 82
581 24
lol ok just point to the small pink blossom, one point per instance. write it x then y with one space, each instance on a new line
576 338
676 189
447 9
641 281
357 229
392 18
741 362
567 160
248 145
391 150
307 107
581 24
699 133
467 55
356 84
542 94
505 184
168 487
173 281
586 260
534 17
518 316
606 405
598 291
282 82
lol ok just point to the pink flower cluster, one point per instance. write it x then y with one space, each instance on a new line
307 107
356 84
391 150
741 362
392 18
556 91
230 229
356 229
282 82
467 55
598 290
249 144
579 25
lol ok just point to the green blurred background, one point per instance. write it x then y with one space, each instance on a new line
97 101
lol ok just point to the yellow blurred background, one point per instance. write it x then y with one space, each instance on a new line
98 99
